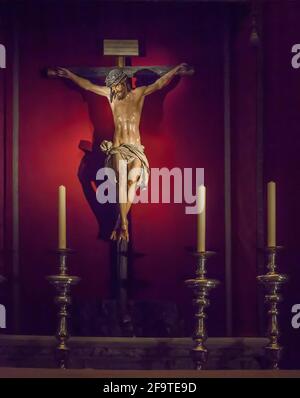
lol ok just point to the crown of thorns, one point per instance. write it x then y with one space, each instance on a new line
115 76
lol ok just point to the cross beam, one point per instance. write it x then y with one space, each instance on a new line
101 72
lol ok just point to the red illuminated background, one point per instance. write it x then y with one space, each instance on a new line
182 126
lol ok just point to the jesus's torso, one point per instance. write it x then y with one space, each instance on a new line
127 115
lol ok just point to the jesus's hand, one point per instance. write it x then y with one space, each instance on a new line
184 69
63 72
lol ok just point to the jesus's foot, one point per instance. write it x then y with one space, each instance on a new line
120 232
123 234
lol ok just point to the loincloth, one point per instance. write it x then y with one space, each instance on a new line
128 152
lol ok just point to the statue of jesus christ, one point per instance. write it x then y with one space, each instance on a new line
126 105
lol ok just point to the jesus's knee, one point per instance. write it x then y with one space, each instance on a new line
131 183
133 180
131 188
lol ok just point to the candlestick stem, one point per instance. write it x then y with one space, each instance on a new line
201 287
62 283
273 281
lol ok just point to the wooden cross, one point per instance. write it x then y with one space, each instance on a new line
121 49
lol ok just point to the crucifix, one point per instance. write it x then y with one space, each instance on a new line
126 148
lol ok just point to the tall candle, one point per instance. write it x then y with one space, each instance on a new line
201 201
62 217
271 214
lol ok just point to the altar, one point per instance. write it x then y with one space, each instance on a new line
121 353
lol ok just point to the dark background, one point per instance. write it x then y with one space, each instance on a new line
182 126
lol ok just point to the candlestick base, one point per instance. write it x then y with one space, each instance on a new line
273 281
62 283
201 287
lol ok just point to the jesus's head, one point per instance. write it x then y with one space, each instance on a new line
118 82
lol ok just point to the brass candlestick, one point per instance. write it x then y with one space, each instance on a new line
201 287
62 283
272 280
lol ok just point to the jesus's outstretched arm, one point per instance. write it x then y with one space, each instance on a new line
81 82
165 79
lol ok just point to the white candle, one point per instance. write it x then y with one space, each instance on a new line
62 217
201 202
271 214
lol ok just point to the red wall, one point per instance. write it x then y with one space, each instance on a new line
6 95
282 148
181 128
244 75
